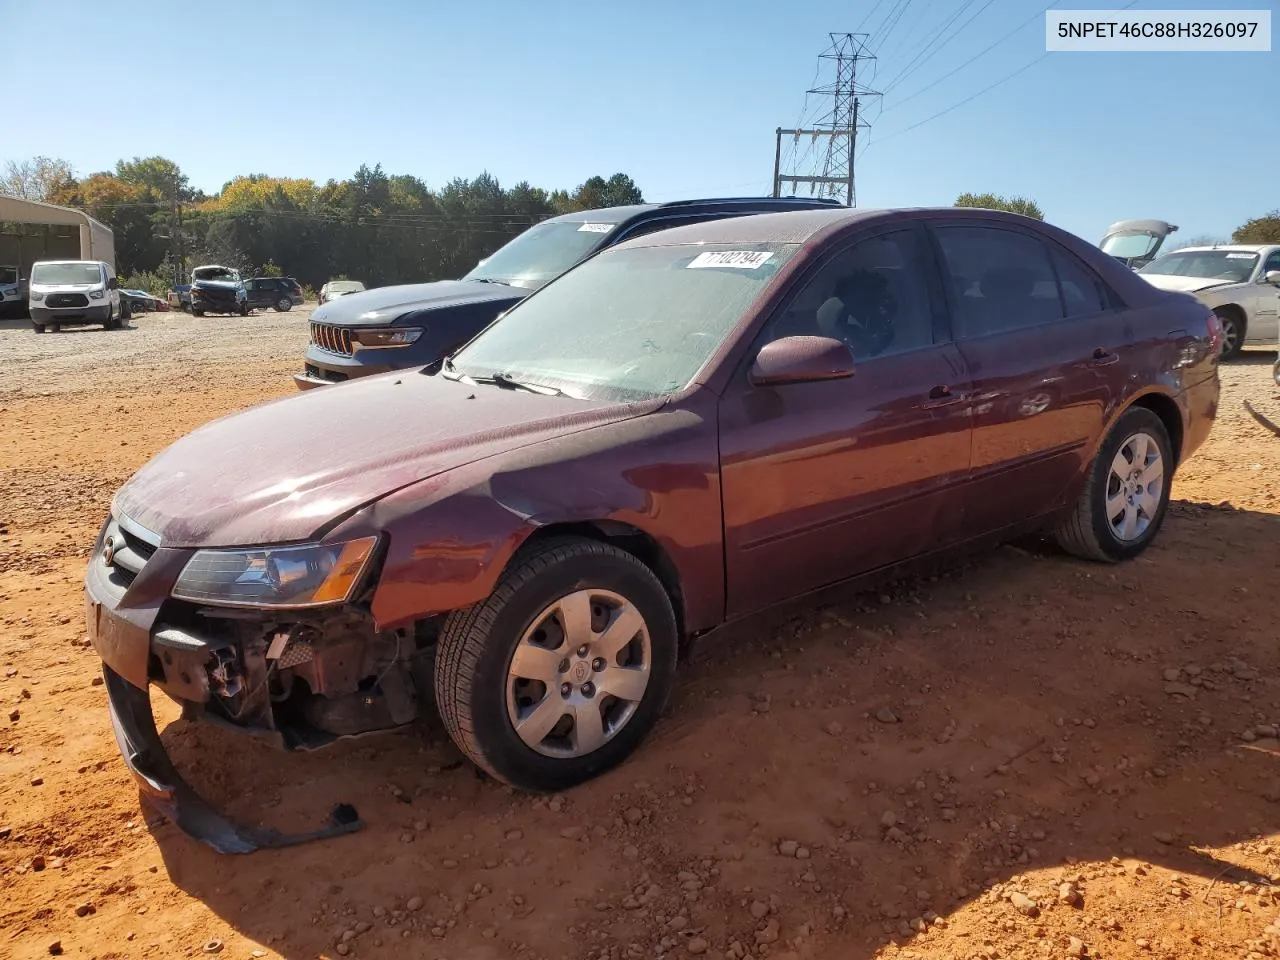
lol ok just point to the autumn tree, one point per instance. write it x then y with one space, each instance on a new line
992 201
1263 229
35 179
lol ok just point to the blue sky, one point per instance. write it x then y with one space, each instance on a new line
684 96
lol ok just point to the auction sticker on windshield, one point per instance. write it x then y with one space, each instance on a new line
595 228
742 259
1241 256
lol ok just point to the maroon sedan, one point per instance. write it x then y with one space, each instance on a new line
684 430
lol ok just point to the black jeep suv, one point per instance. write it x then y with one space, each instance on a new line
414 325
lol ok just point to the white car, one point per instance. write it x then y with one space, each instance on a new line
1238 282
339 288
75 292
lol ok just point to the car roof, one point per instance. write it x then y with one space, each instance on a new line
709 204
793 226
1229 247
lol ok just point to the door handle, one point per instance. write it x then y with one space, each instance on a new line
941 396
1103 357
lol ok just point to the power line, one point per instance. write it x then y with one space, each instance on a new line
1005 79
940 39
901 9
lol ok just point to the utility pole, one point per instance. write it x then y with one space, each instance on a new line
839 125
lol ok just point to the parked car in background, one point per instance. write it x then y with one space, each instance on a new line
12 292
296 288
684 430
67 292
180 297
217 289
339 288
392 328
1135 243
142 302
277 293
1239 282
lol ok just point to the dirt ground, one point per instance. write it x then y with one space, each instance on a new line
1024 757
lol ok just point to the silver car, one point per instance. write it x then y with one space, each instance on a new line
1238 282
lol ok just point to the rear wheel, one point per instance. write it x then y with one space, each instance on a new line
283 304
1126 494
563 670
244 309
1232 331
197 313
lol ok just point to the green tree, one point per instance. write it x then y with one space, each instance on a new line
1263 229
35 179
991 201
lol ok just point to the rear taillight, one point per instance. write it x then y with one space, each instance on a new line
1215 334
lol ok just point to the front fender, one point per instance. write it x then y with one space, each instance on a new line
451 537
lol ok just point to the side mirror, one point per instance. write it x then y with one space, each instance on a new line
801 360
1272 277
113 284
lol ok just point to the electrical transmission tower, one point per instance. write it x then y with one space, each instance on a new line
839 125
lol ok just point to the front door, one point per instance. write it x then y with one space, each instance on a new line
1049 355
1263 305
823 481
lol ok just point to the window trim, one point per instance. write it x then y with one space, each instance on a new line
797 284
629 231
1111 300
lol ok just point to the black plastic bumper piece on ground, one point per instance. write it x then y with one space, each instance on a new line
164 789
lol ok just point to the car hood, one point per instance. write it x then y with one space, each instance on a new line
284 470
382 305
1168 281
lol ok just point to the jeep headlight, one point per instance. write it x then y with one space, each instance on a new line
381 338
311 575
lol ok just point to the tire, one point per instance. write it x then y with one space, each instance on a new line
284 305
243 309
197 313
1232 332
476 690
1089 532
39 327
1275 372
126 312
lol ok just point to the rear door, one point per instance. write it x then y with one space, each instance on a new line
824 481
1046 344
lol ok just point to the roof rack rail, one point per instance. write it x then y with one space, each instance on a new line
823 201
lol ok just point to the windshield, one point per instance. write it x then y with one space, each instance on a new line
1130 244
1234 266
68 273
215 273
542 253
628 325
346 286
8 275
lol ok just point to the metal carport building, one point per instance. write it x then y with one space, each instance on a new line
31 231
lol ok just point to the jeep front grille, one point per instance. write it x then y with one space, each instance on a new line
333 339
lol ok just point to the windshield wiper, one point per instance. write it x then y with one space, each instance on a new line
512 383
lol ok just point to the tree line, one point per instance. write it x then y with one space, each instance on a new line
375 227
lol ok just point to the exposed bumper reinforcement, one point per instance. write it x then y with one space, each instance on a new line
165 790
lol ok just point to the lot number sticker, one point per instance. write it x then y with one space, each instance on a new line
1241 256
595 228
742 259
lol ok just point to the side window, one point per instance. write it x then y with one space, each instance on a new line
1273 263
661 223
1082 292
873 296
1001 279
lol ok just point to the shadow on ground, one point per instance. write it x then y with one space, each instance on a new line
824 783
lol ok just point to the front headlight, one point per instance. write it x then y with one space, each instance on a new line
378 339
313 575
36 295
97 294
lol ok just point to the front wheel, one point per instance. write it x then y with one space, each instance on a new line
1232 333
39 327
244 309
1126 494
1275 372
283 304
197 313
563 670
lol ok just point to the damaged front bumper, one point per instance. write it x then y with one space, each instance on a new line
164 788
300 679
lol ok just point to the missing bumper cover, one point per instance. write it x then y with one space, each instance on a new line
165 789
